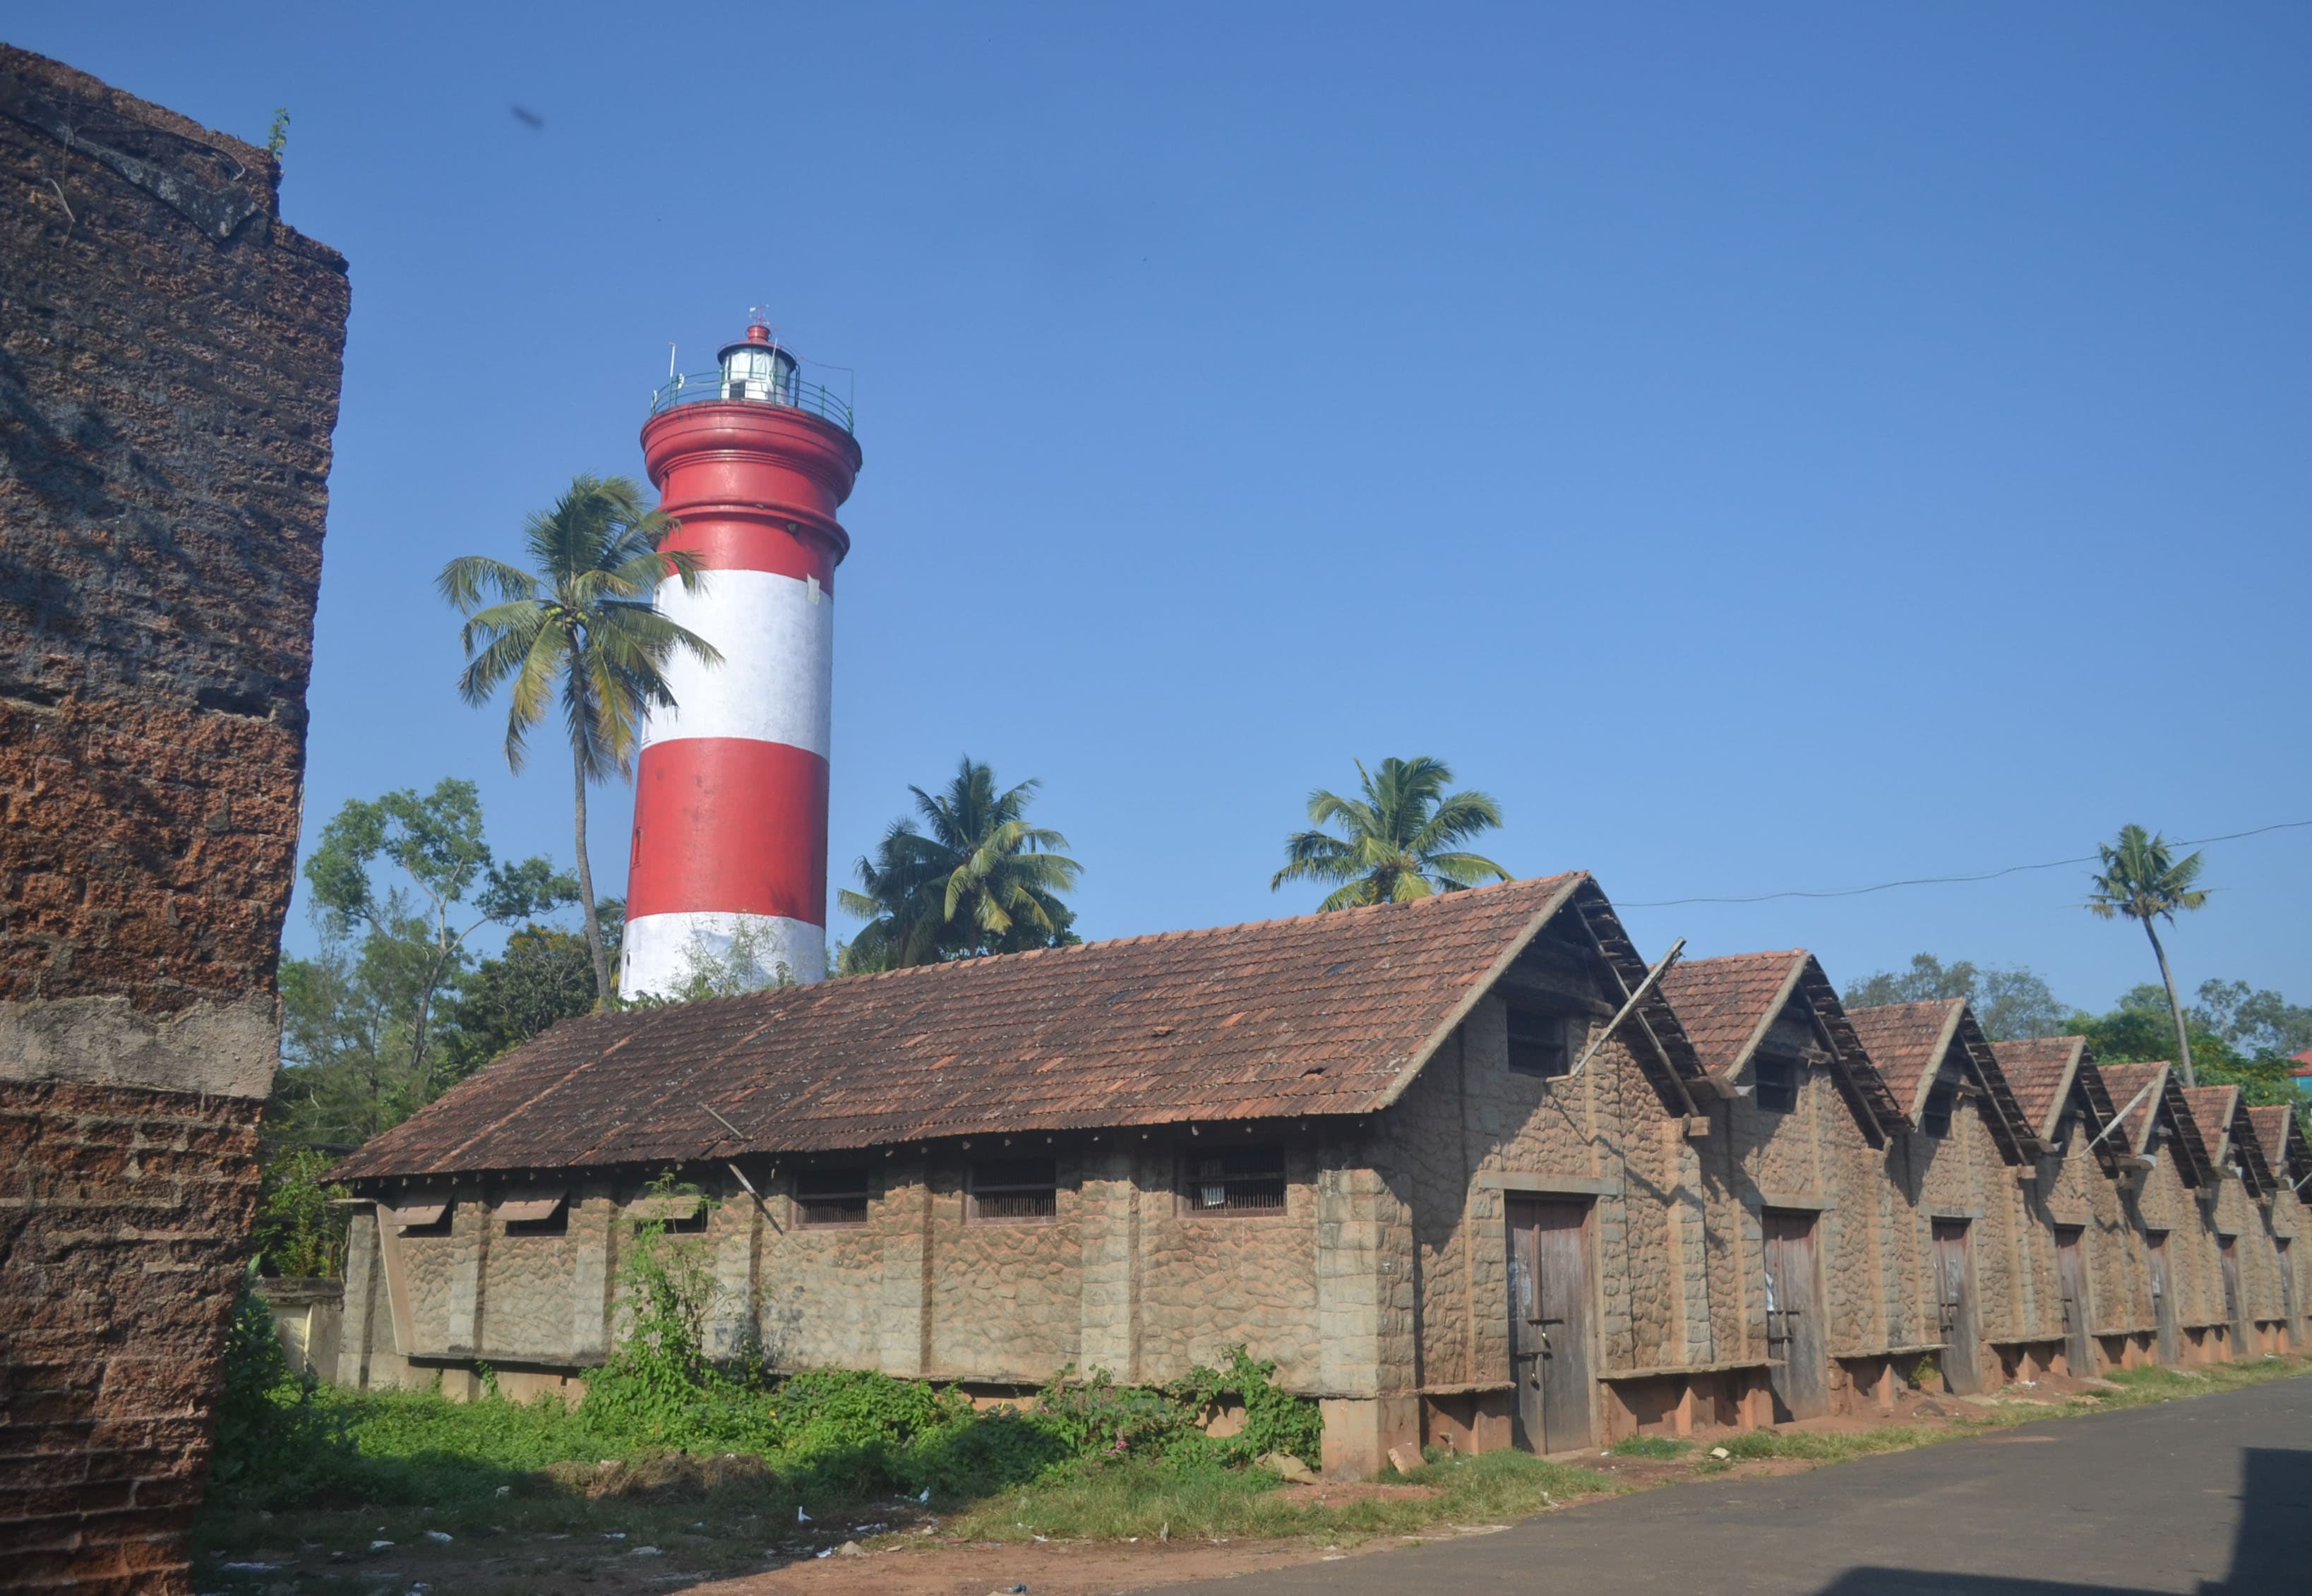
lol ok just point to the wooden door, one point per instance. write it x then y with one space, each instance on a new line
2072 1276
1955 1305
2228 1256
1549 1323
2163 1296
2287 1262
1794 1329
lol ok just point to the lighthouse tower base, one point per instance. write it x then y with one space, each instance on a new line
664 955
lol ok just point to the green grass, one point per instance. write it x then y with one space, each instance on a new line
509 1482
1120 1501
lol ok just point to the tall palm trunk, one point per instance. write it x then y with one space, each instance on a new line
586 885
2174 1008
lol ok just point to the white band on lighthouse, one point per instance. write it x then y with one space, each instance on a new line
776 636
664 952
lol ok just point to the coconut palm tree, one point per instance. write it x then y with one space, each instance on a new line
1400 840
579 623
2142 880
977 879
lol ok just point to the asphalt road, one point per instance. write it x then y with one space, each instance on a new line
2208 1496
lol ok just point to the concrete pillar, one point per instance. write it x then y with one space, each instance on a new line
1108 1210
1359 1430
593 1233
903 1295
735 1233
470 1221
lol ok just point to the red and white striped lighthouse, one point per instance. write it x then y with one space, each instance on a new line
730 790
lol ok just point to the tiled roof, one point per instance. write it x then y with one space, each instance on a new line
1325 1014
1727 1005
2040 1071
2231 1135
2282 1140
2212 1110
1908 1041
2185 1138
2125 1083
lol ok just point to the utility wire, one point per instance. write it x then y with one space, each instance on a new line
1936 880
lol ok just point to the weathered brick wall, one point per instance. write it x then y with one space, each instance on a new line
169 357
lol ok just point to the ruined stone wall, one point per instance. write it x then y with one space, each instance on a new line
170 357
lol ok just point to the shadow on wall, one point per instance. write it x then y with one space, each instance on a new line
2268 1555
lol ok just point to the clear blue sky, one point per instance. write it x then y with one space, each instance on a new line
1765 447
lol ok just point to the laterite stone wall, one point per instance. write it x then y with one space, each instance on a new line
169 357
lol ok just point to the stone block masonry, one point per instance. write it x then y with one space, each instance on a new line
170 357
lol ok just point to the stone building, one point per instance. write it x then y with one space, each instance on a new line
170 356
2290 1160
1815 1289
1342 1141
2168 1185
1965 1279
2241 1218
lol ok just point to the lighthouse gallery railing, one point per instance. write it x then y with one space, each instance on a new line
709 388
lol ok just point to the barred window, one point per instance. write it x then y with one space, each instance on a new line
1777 1075
1013 1189
1537 1045
831 1196
1249 1181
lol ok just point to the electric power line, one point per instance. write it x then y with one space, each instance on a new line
1937 881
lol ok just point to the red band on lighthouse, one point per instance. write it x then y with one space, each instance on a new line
731 791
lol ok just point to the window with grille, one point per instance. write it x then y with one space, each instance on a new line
831 1196
1537 1044
1009 1190
1935 1118
1248 1180
1777 1076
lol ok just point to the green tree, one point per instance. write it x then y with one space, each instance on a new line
2141 879
2008 1004
546 975
1402 840
977 878
2141 1030
580 624
297 1232
435 840
2257 1024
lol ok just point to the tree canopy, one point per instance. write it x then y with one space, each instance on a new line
1401 840
2008 1004
975 878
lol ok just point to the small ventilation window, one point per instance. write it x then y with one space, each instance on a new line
1249 1181
831 1196
1005 1190
1777 1075
1935 1118
1537 1045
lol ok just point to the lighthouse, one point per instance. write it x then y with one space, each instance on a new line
730 843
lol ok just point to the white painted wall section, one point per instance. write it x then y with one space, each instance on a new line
661 950
776 680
